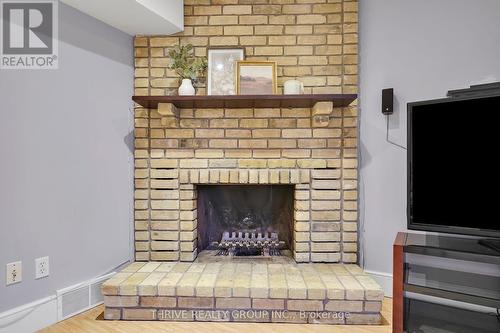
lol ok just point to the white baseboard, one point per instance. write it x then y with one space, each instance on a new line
31 317
67 302
384 279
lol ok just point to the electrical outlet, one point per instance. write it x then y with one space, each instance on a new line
41 267
14 273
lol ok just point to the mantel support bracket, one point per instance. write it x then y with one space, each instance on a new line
321 112
169 114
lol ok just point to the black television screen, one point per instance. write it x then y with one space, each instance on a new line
453 166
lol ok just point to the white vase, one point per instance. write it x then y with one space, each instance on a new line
186 88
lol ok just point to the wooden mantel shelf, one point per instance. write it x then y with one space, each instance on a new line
246 101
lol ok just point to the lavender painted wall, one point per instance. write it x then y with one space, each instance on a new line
66 172
422 49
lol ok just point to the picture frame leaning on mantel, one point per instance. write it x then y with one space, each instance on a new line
256 78
221 73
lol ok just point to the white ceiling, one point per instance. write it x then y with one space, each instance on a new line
136 17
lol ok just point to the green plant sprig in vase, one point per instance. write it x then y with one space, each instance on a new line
187 66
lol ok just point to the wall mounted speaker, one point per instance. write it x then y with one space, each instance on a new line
388 101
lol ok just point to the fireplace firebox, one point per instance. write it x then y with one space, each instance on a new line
245 220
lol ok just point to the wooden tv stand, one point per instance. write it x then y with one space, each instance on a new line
447 283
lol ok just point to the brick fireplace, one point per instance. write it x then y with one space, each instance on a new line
314 150
188 158
299 147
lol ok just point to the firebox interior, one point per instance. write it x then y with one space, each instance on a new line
246 210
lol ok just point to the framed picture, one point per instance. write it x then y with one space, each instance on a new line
221 70
256 78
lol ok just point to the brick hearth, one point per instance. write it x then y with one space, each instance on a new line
272 291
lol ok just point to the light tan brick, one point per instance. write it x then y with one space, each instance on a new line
205 285
330 8
196 302
209 153
266 133
252 163
163 41
222 41
253 40
239 113
233 176
238 30
296 9
267 153
269 30
282 143
121 301
209 113
282 19
298 50
303 305
112 314
209 133
311 19
207 10
223 143
208 30
139 314
372 306
299 29
233 303
222 20
282 40
268 50
296 133
311 164
237 9
140 41
267 9
129 286
238 153
259 285
282 163
253 123
325 257
158 302
253 19
224 123
364 319
253 143
268 304
253 176
179 133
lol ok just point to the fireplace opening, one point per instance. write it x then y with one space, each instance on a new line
245 220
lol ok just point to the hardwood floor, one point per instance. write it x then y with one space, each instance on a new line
91 321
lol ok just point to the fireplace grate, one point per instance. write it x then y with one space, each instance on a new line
249 244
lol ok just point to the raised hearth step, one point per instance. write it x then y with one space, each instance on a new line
227 291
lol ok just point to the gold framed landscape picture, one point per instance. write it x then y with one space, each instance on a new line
221 70
256 78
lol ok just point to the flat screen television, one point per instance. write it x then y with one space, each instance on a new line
454 166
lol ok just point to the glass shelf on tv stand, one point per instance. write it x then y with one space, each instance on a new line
426 317
474 288
459 248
